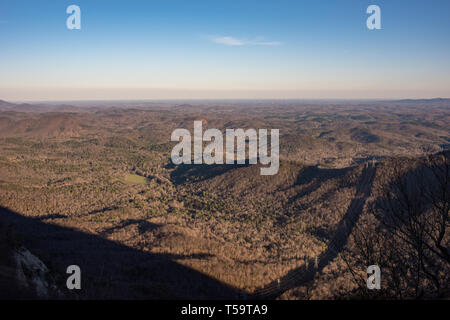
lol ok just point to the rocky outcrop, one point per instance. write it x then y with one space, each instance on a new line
32 274
22 274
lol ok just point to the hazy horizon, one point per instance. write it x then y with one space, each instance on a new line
224 100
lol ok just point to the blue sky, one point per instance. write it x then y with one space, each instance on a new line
224 49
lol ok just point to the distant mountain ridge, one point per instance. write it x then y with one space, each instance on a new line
41 107
433 100
6 104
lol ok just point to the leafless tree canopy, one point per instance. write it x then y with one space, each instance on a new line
407 233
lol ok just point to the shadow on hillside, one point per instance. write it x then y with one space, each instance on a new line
310 173
312 177
143 226
111 270
304 274
199 172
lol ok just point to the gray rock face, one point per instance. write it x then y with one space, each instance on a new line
31 272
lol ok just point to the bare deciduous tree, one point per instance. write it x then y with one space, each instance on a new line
407 230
